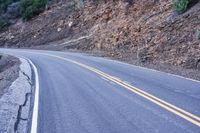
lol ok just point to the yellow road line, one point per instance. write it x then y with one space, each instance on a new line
156 98
168 106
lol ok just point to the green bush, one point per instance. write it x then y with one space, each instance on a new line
31 8
3 23
4 4
180 5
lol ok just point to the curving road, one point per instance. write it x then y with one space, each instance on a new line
84 94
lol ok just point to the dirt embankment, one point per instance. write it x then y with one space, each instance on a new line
9 70
145 32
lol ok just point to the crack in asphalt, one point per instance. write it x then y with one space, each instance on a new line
19 117
28 78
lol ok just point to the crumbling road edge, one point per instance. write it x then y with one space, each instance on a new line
15 104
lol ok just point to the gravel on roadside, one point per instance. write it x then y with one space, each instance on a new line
188 73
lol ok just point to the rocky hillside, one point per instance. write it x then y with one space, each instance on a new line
148 31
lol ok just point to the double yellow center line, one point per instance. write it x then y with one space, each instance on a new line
168 106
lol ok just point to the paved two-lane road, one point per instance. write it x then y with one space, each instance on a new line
83 94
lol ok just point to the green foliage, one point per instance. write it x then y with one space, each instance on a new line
3 23
180 5
198 33
31 8
4 4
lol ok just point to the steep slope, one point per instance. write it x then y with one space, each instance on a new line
148 31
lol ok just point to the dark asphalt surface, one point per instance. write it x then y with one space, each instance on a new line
76 100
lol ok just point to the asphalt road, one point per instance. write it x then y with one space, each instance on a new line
83 94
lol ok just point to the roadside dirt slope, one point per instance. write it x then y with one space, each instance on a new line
9 70
148 31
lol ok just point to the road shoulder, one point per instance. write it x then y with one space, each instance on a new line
16 101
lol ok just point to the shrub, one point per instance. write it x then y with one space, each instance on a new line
3 23
198 33
31 8
4 4
180 5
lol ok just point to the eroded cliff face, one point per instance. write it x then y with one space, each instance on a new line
150 31
146 30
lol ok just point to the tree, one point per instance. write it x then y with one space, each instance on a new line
3 23
180 5
31 8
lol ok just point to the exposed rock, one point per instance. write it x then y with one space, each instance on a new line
59 29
